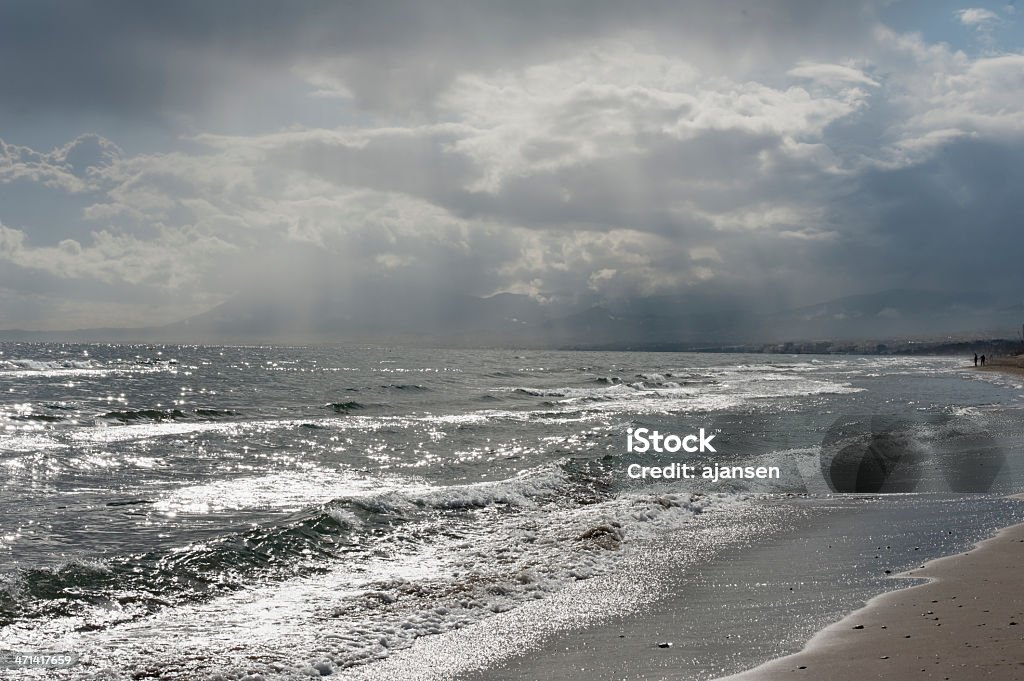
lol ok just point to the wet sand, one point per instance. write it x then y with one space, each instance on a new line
967 623
753 603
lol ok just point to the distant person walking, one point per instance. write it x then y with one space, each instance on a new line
983 360
975 359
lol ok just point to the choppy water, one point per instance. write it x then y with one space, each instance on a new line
285 511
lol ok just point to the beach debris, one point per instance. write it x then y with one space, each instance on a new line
607 536
665 644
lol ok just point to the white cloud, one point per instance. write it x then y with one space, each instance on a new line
615 101
72 167
831 74
977 17
174 260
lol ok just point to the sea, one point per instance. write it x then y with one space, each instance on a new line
269 512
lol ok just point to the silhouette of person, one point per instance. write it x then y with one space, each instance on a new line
975 359
983 360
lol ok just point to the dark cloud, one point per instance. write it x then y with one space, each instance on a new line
155 61
951 222
707 158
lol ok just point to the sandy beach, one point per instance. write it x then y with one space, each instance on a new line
966 622
1010 365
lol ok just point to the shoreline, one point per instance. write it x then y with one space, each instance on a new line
1006 365
965 622
748 605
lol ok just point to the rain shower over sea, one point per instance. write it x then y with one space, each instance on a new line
200 512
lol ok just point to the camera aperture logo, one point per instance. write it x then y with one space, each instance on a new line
645 440
903 453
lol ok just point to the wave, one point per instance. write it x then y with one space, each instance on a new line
655 377
656 392
293 546
299 543
61 406
614 390
41 592
132 415
61 412
346 407
47 365
216 413
196 573
28 368
158 415
481 549
34 416
508 560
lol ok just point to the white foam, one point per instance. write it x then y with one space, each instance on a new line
288 491
722 389
31 368
361 612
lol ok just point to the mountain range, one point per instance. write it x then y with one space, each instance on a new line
407 317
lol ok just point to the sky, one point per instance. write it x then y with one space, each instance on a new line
158 159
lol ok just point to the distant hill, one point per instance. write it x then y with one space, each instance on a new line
502 319
426 318
899 313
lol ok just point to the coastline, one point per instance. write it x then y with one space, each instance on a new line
957 624
965 622
750 604
1006 365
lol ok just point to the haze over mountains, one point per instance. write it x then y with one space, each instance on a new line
522 321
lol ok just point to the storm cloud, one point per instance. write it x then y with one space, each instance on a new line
156 160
